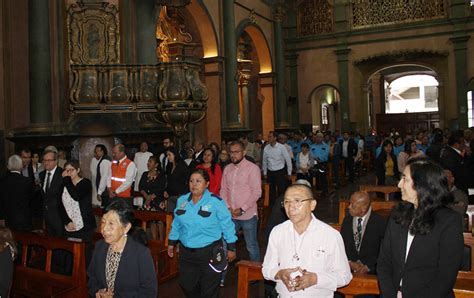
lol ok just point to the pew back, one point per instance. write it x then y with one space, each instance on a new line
40 282
386 190
382 207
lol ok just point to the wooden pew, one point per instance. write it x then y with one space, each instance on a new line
386 190
37 282
360 283
382 207
166 268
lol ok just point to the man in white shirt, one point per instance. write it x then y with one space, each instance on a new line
305 256
141 161
276 166
100 173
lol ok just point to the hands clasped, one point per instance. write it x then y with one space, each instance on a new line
296 279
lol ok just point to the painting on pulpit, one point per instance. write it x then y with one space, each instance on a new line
93 32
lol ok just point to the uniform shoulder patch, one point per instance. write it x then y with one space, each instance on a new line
217 197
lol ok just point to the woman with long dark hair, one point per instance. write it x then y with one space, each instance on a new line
214 170
386 168
423 245
177 174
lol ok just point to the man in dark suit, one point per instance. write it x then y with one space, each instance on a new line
362 231
52 189
453 159
15 197
349 152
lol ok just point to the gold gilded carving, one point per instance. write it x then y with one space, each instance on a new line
169 31
367 13
93 33
314 17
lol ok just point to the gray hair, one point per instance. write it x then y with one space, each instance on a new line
15 163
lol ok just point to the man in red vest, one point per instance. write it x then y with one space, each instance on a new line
123 171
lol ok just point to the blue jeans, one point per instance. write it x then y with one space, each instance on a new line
249 227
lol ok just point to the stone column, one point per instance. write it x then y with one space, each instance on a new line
39 61
281 102
292 60
266 91
146 17
213 78
461 62
343 72
230 67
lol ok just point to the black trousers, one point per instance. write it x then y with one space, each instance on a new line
196 277
349 165
322 177
278 183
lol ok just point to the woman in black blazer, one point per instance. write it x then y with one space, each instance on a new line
423 245
120 266
177 176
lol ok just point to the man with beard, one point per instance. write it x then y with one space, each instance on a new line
241 187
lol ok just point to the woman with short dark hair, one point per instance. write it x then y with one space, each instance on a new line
201 222
423 245
121 266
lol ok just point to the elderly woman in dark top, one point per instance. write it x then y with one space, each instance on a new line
8 253
120 266
177 174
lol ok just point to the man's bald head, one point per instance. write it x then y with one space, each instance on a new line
303 187
360 204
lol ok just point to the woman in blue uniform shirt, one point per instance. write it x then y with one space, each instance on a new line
200 221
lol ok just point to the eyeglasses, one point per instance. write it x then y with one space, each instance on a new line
298 203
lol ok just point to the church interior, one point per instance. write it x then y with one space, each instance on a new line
78 73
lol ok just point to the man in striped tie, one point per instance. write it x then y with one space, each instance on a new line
362 231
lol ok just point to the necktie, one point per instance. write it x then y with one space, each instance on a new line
48 182
358 234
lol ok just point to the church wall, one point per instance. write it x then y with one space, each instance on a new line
315 68
470 62
317 64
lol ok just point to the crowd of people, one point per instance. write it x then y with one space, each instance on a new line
213 190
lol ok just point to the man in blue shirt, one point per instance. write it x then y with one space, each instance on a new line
320 151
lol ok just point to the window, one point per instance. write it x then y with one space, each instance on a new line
470 115
411 94
324 115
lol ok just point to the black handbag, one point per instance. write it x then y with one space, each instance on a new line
218 259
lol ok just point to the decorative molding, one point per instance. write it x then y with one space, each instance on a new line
367 13
314 17
93 33
403 54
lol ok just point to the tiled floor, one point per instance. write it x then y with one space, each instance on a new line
326 210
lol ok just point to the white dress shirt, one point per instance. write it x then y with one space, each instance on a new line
105 172
320 250
141 160
50 177
275 157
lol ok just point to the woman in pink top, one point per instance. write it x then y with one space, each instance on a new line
213 169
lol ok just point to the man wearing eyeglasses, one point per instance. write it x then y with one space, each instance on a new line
305 257
241 188
52 189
